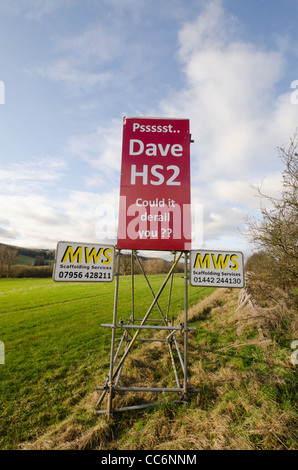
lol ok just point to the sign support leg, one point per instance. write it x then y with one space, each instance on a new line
132 288
110 383
185 382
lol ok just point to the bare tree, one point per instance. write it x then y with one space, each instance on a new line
8 257
277 232
2 260
125 264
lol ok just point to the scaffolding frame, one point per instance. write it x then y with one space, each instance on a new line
131 330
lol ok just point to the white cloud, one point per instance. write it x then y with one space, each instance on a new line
28 176
237 117
103 57
86 60
208 29
230 93
102 151
117 51
37 221
67 70
34 9
39 206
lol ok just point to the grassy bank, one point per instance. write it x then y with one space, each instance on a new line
245 399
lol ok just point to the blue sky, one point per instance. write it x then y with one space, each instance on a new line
71 69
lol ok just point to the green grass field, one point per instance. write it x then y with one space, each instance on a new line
56 351
25 260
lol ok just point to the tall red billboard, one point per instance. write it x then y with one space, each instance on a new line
154 210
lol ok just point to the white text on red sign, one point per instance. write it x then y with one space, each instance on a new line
155 184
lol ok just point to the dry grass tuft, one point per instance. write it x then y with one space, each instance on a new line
96 438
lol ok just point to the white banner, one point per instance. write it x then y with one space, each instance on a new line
216 268
84 262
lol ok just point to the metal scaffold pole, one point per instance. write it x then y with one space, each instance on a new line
110 384
185 382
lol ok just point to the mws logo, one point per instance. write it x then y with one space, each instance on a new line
87 254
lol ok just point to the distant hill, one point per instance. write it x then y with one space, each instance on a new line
31 256
44 257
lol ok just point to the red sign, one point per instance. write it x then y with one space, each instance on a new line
154 211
